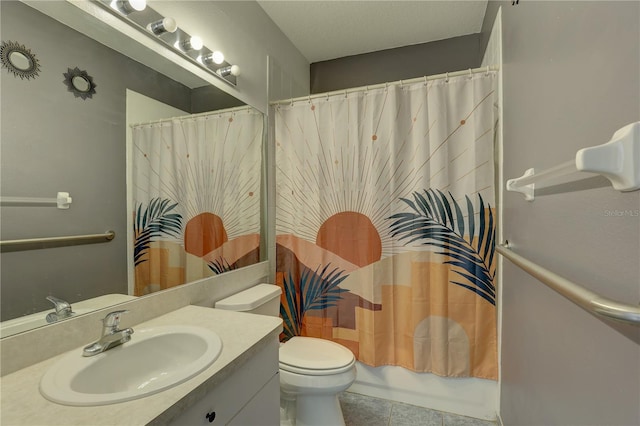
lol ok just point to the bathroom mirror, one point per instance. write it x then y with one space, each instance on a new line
54 142
20 61
81 84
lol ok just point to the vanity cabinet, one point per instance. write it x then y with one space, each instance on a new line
249 396
241 386
264 407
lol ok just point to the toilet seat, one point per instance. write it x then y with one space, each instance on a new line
315 357
310 372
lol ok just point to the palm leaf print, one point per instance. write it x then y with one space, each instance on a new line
315 291
221 265
439 222
155 221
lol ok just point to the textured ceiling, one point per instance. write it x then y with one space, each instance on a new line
324 30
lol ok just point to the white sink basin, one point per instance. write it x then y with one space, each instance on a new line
153 360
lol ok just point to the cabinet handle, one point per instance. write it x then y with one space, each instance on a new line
211 416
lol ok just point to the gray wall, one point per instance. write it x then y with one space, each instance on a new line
418 60
571 78
209 98
52 141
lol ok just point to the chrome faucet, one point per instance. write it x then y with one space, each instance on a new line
111 336
62 307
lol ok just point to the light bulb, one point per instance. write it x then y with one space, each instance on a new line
217 57
212 58
128 6
165 25
196 43
138 5
225 71
193 43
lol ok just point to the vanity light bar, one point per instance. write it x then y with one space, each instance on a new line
164 30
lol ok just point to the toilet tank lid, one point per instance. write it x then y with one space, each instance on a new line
250 298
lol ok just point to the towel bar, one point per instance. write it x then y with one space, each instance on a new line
618 160
586 299
12 245
61 201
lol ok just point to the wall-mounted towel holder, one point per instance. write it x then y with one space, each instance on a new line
618 160
62 201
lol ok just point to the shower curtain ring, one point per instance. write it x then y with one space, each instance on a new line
487 70
425 80
470 74
446 79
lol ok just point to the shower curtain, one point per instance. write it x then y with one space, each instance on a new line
196 194
385 223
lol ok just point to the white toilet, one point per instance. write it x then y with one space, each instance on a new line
312 371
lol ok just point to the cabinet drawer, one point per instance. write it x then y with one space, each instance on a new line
223 402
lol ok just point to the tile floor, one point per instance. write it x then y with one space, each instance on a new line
360 410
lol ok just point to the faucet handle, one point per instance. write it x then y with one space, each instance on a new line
112 320
61 306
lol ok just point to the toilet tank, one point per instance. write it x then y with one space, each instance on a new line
262 299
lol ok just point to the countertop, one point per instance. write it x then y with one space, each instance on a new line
242 336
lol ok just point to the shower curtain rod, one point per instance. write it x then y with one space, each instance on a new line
382 85
186 117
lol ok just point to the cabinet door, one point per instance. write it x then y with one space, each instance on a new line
224 401
264 407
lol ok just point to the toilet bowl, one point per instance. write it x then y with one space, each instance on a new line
312 374
312 371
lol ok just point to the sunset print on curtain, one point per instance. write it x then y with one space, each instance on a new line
197 197
385 223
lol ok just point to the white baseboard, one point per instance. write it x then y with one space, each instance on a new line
466 397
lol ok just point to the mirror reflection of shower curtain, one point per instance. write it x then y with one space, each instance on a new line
385 223
196 190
